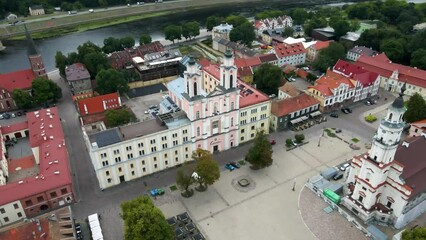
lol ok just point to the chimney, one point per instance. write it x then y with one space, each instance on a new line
405 144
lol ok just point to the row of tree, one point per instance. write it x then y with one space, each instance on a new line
187 30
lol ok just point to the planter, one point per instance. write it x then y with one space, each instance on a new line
187 194
201 188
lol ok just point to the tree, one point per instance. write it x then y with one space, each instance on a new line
111 44
110 81
268 78
118 117
145 39
418 59
211 22
190 29
22 98
95 62
206 168
417 233
288 32
184 180
299 138
61 62
235 20
173 32
127 42
299 15
416 109
244 34
394 48
87 48
260 154
327 57
72 57
341 27
45 90
143 221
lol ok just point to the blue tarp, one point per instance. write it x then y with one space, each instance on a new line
376 233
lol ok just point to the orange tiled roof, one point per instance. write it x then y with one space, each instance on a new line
289 105
285 50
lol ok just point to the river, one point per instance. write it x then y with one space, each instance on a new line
14 57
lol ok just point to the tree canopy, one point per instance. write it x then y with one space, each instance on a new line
111 80
173 32
45 90
211 22
243 33
190 29
268 78
417 233
205 167
260 154
184 180
143 221
418 58
61 61
236 20
416 109
95 62
145 39
328 56
22 98
118 117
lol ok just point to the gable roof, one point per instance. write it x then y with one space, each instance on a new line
321 44
289 105
412 158
17 80
289 89
268 58
381 65
247 62
99 104
327 83
366 78
285 50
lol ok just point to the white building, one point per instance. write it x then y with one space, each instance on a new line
280 22
36 10
357 51
387 184
222 31
291 54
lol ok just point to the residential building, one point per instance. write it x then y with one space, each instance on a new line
323 34
36 10
291 110
293 54
332 91
92 109
313 49
349 39
393 75
211 113
280 22
78 79
268 35
21 79
41 181
269 58
11 17
222 45
417 128
288 90
123 59
222 31
357 51
367 83
387 184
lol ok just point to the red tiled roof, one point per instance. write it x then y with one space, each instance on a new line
381 65
330 81
5 129
285 50
289 105
302 73
245 71
366 78
247 62
22 163
46 134
412 158
322 44
267 58
204 62
419 122
288 69
289 89
99 104
17 80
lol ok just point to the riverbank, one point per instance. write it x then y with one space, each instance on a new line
64 24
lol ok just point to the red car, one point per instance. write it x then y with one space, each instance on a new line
273 142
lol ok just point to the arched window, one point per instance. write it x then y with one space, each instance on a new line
198 131
390 116
232 122
231 81
400 117
215 110
232 105
223 80
187 88
197 115
195 88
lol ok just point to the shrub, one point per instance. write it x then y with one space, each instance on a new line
370 118
355 140
299 138
289 142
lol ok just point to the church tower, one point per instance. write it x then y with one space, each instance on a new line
193 79
228 72
36 61
387 137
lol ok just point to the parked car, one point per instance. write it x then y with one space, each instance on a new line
77 228
13 115
334 115
349 110
6 115
229 167
345 111
344 167
91 11
1 116
235 164
18 113
338 176
338 130
368 103
294 143
156 192
273 142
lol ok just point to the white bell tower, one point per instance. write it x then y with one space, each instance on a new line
192 78
228 72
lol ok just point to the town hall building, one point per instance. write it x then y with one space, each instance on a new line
387 184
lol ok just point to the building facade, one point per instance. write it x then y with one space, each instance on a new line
417 128
357 51
214 111
280 22
36 10
222 31
386 185
78 78
291 54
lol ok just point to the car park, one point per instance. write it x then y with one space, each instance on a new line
344 167
229 167
235 164
334 115
338 176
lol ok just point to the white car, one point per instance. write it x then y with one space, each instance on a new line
344 167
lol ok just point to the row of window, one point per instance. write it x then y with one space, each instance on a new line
40 199
253 111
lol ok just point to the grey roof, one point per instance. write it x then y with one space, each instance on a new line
106 137
362 50
77 71
32 50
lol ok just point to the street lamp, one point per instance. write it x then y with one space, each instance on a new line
294 185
